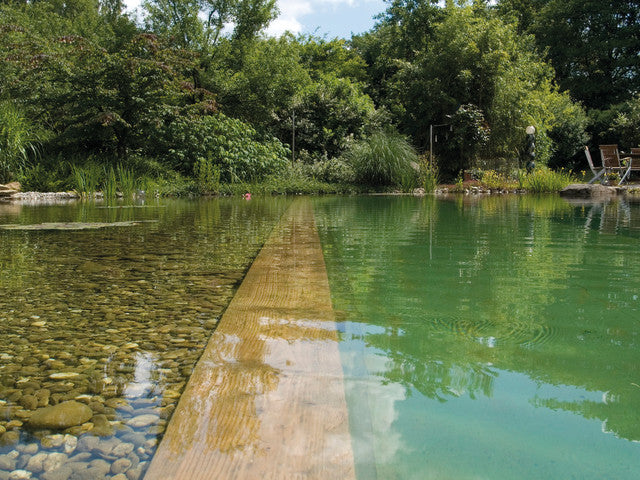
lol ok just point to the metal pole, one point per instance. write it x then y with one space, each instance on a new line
293 139
430 143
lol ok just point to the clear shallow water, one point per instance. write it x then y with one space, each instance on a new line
490 338
113 318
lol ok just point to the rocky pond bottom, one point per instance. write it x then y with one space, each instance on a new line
100 328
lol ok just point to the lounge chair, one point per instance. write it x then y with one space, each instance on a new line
596 174
611 161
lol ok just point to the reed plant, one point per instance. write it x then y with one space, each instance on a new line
429 174
87 178
110 185
126 181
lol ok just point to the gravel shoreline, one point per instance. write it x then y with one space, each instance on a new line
39 198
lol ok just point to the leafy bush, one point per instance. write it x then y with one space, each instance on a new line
382 159
497 181
241 153
46 177
330 111
334 170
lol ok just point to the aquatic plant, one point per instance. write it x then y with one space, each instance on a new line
207 175
110 185
126 180
429 173
87 178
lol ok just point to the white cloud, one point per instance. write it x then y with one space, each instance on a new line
292 11
289 18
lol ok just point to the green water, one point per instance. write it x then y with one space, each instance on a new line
493 338
122 312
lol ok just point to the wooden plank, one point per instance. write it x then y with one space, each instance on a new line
266 400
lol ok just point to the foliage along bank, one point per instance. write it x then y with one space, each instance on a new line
187 105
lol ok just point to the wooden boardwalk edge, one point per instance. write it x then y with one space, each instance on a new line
266 400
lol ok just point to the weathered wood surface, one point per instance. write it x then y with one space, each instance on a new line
266 400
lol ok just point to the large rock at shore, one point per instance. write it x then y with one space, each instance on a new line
61 416
583 190
9 189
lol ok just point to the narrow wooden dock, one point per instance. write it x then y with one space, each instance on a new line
266 400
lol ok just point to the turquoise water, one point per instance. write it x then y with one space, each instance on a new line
491 338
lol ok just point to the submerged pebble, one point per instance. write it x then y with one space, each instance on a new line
61 416
118 340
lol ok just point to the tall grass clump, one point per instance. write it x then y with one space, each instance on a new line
110 185
126 180
383 159
17 141
543 180
87 178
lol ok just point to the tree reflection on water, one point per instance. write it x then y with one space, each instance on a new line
452 292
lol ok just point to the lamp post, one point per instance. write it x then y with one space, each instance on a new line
531 148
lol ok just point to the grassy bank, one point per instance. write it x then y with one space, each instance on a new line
148 176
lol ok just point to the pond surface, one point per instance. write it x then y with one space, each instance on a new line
112 319
488 338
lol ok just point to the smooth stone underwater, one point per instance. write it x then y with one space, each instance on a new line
61 416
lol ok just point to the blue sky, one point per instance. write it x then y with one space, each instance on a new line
330 18
333 18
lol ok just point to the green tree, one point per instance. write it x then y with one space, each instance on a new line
524 12
626 125
200 24
320 56
311 79
402 32
263 89
476 63
593 45
119 98
93 99
330 112
178 21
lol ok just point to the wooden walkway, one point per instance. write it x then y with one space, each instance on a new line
266 400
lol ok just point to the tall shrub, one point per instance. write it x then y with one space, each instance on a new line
236 148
